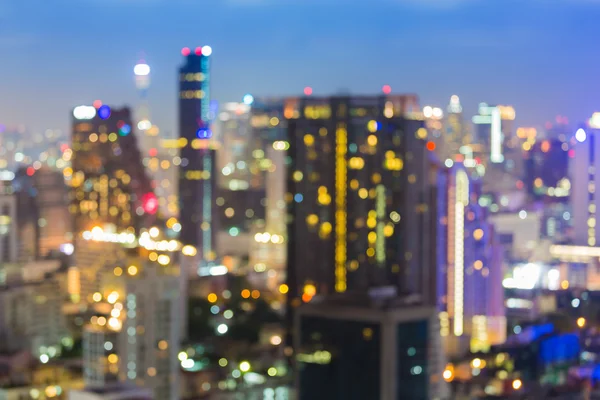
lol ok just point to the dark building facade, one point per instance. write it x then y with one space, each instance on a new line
347 351
359 194
547 171
197 174
108 181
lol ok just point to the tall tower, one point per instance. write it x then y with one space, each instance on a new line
196 180
358 183
585 178
108 182
142 83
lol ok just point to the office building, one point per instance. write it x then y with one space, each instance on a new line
547 171
358 196
100 359
8 224
149 339
197 171
108 180
111 392
584 180
494 131
234 133
469 262
368 348
45 224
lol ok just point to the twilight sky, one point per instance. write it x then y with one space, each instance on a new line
542 56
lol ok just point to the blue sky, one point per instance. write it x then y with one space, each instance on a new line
541 56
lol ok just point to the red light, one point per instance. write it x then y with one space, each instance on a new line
572 153
459 158
478 160
185 51
198 51
430 146
153 152
150 203
30 171
120 124
308 91
387 89
520 185
64 147
97 104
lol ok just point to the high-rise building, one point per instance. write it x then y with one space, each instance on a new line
197 171
149 340
494 131
368 348
45 223
100 359
359 190
469 268
547 171
585 177
108 180
8 224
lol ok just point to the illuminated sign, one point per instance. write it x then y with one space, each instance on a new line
84 112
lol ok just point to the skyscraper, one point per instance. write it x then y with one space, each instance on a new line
469 268
197 181
358 196
585 178
45 224
8 224
108 180
368 348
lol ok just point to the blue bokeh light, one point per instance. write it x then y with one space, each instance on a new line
125 130
204 133
104 112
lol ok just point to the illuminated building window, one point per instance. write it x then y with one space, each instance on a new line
309 140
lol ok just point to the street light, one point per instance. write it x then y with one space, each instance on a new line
581 322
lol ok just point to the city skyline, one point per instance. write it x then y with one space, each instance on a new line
279 55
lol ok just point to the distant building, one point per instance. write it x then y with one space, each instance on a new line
108 180
197 171
112 392
469 268
8 224
149 339
585 177
45 223
546 175
100 359
358 194
368 348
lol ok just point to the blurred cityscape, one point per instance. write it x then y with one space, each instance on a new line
338 247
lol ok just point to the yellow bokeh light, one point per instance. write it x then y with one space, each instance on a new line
372 126
283 288
132 270
372 140
212 298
